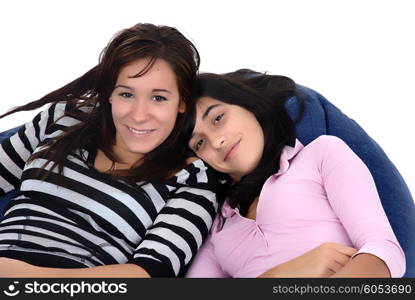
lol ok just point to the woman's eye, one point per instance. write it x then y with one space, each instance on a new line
126 95
218 118
159 98
198 145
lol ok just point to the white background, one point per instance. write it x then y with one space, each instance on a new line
360 54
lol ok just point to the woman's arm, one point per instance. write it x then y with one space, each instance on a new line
364 265
323 261
16 149
16 268
205 264
183 223
352 194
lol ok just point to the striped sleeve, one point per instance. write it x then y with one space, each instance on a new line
183 223
16 149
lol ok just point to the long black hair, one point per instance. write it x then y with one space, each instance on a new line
94 88
264 96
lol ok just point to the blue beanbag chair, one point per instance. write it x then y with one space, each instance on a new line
321 117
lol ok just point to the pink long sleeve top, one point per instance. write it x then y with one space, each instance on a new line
322 193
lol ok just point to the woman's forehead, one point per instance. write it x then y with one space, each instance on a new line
205 100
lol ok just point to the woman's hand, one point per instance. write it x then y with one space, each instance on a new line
323 261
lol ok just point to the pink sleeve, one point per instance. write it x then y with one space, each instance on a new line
353 196
205 263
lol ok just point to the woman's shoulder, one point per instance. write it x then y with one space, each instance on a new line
330 147
66 107
198 173
327 140
68 113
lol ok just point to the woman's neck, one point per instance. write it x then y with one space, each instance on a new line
104 164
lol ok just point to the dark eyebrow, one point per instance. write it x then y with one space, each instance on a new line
205 114
123 86
130 88
161 90
207 111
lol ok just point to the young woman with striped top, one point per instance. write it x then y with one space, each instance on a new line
106 187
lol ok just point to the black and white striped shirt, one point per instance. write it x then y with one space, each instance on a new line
93 219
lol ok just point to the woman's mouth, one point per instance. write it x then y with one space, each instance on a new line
140 132
231 150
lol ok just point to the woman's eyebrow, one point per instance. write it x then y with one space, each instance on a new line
132 89
204 116
123 86
161 90
207 111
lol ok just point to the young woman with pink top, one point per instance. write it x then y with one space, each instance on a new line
292 210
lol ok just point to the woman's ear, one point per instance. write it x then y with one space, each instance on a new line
182 106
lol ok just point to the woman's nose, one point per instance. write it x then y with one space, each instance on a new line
140 111
219 142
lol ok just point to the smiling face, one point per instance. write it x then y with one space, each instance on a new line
144 109
227 137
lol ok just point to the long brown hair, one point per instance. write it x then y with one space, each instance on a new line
94 88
